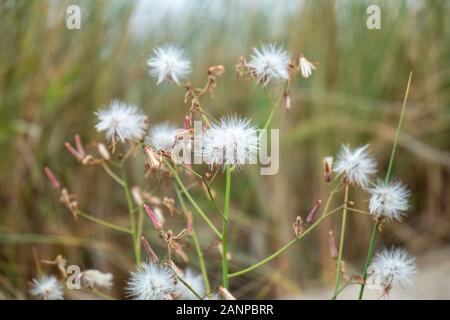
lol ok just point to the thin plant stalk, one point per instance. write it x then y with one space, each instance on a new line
373 237
226 215
285 247
187 285
112 174
341 241
140 227
198 249
132 217
102 222
191 200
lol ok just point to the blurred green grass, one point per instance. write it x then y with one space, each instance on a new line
52 79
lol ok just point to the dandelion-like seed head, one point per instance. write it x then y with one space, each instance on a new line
268 63
233 140
162 136
151 282
195 280
357 166
392 268
121 121
47 288
389 201
169 63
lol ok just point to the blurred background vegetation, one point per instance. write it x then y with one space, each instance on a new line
52 79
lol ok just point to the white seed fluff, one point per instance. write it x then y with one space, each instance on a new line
169 63
195 280
47 288
269 63
389 201
151 282
233 140
121 121
162 136
392 268
95 278
355 165
306 67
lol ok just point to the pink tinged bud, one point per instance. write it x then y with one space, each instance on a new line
137 196
152 216
52 178
103 151
73 152
79 146
148 249
312 214
332 245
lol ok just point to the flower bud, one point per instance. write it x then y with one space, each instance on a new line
103 151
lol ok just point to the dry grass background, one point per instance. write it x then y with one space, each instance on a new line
52 79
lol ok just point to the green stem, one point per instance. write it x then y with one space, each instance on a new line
187 285
226 215
102 222
112 174
191 200
285 247
131 213
397 133
341 242
373 241
196 244
140 228
273 105
373 236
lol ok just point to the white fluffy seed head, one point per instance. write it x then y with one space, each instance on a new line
233 140
392 268
268 63
195 280
151 282
306 67
95 278
169 63
389 201
47 288
121 121
357 166
162 136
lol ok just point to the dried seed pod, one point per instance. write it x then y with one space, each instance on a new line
103 151
52 178
332 245
327 168
313 212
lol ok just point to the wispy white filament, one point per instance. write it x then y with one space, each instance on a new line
268 63
356 165
151 282
169 63
391 268
121 121
47 288
233 140
162 136
389 200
